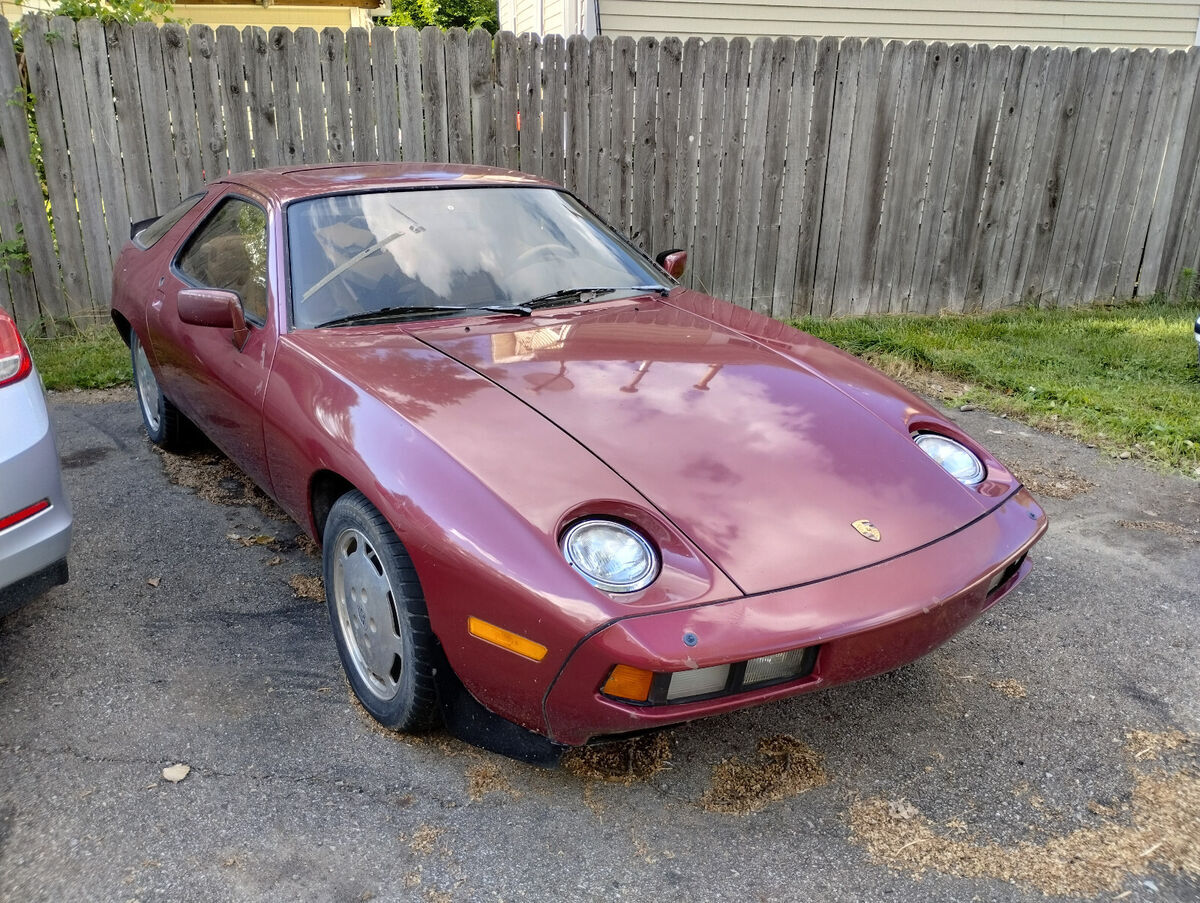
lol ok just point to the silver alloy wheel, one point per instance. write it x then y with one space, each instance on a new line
147 386
367 616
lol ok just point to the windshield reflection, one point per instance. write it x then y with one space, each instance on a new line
359 253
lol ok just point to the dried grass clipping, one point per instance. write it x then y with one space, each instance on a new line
1011 688
216 479
624 762
784 767
1163 831
308 587
487 778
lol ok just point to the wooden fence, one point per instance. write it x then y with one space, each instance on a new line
804 176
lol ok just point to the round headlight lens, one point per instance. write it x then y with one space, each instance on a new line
610 555
954 457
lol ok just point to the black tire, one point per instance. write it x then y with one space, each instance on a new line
378 614
166 427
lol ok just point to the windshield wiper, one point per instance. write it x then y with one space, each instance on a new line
400 313
595 292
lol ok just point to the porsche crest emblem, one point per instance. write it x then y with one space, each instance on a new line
868 529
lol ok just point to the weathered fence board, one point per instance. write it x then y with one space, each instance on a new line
458 97
24 213
529 102
829 177
314 137
60 186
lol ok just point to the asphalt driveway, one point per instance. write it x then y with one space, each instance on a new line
1052 748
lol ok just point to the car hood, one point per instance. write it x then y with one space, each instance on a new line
759 459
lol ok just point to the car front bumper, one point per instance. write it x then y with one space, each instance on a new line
33 552
862 623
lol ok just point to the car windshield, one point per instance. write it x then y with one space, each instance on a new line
355 254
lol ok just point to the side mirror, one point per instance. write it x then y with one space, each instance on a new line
214 308
673 261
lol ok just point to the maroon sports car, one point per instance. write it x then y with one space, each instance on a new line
561 498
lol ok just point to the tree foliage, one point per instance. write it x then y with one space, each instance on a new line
116 10
466 14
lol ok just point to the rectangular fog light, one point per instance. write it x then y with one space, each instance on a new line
699 682
779 666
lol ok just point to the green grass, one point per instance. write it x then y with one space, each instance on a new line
94 359
1124 378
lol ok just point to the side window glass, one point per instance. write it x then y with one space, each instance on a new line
230 251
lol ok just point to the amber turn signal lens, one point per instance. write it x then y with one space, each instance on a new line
506 639
628 682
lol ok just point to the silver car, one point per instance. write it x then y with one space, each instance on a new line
35 516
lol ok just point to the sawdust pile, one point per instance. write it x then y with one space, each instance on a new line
1147 745
424 838
308 587
214 478
1011 688
1162 526
624 762
1160 828
784 767
1057 483
308 546
487 778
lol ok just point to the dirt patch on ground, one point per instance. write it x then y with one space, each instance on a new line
1159 828
1057 482
624 763
116 394
308 587
1161 526
784 767
1013 689
214 478
923 382
487 778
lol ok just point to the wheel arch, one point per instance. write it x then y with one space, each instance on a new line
122 325
324 488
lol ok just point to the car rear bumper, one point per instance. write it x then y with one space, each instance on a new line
33 551
862 623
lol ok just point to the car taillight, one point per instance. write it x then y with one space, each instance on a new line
15 363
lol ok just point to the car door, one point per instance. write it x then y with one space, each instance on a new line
218 383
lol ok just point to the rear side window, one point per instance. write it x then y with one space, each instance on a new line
152 233
229 251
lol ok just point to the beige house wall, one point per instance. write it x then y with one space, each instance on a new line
1072 23
277 14
240 15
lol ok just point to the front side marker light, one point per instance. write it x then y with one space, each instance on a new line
628 682
506 639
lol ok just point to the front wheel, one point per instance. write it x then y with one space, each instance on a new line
378 615
165 426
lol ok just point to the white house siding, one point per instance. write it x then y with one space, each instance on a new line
563 17
1072 23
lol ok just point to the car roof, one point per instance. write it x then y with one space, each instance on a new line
285 184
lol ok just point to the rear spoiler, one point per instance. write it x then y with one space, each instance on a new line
141 224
